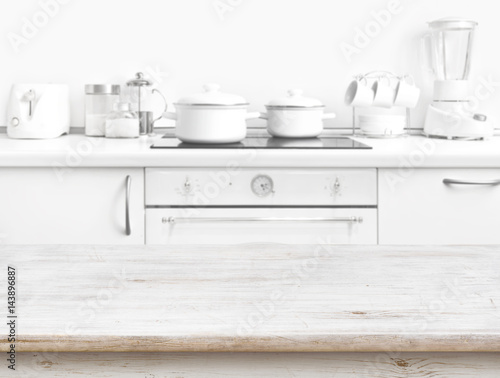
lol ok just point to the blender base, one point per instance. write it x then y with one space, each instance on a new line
456 125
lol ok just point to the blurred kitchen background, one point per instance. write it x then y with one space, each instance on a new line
255 48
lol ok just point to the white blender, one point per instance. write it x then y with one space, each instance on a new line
449 46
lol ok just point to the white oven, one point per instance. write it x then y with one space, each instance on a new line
238 206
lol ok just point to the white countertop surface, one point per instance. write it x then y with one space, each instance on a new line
77 150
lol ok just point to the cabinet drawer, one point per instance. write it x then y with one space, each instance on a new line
233 187
242 226
440 206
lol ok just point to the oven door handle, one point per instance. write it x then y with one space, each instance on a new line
173 220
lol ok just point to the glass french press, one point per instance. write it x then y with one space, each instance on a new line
141 92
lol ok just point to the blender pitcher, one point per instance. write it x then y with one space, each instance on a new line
448 46
141 92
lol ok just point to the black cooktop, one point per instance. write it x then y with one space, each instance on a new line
325 142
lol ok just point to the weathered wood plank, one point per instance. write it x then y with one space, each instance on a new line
255 298
246 365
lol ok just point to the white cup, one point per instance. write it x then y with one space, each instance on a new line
407 94
359 94
384 93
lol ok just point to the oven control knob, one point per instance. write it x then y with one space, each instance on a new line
188 187
336 187
262 186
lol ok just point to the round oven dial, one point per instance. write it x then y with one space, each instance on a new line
262 186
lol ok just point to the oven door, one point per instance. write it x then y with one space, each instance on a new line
261 225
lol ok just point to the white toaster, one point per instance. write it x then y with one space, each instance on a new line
38 111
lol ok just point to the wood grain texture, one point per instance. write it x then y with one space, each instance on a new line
256 298
250 365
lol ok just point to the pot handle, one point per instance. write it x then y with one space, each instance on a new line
252 115
263 116
170 115
329 116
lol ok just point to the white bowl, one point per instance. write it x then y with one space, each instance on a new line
396 123
382 134
382 118
382 129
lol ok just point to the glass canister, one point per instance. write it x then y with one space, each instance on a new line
99 102
122 122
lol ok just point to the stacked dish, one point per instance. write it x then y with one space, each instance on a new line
382 125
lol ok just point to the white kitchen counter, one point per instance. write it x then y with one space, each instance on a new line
80 151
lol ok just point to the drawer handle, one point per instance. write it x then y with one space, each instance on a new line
128 184
463 182
173 220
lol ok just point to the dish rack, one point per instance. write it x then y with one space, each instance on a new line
371 77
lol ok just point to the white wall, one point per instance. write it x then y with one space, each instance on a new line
260 49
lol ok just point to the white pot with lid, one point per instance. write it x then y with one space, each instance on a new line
211 117
295 116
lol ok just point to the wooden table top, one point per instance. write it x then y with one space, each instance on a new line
265 298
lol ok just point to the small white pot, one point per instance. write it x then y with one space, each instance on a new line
295 116
211 117
295 123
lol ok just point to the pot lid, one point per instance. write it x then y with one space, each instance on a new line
139 81
295 99
454 23
212 95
